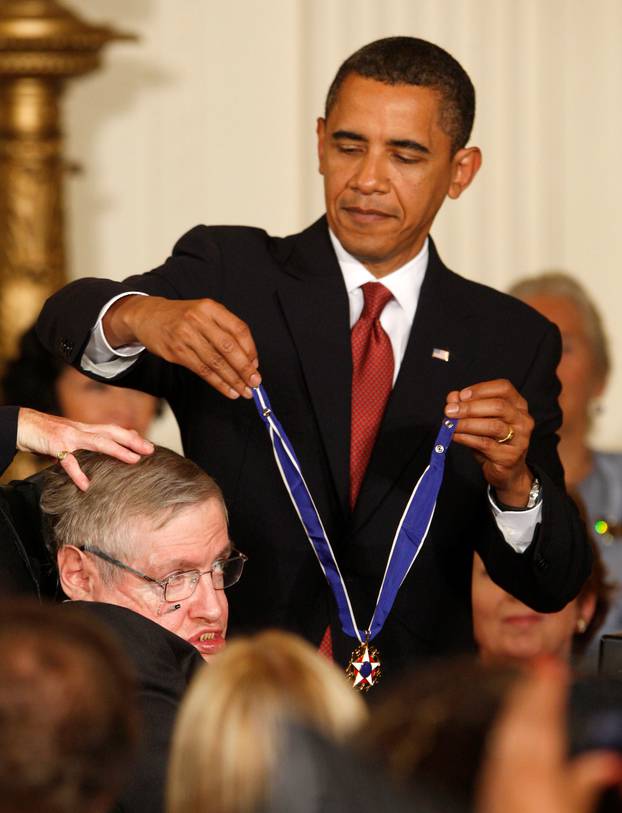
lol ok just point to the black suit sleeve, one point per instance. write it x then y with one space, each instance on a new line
193 271
163 664
67 318
8 435
555 566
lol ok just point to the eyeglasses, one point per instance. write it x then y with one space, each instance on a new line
180 586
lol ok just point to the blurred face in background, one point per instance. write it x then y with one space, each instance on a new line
82 399
506 630
580 380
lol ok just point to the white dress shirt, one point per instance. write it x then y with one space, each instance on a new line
517 527
398 314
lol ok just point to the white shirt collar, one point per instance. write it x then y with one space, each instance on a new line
404 283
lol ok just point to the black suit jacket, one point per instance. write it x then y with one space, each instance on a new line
291 293
25 564
8 435
163 664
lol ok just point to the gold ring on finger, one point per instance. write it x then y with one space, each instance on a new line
507 438
62 455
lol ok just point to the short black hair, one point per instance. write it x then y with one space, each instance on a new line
413 61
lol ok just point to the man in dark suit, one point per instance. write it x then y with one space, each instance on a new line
146 550
233 301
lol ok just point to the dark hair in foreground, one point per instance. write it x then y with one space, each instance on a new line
412 61
67 720
430 731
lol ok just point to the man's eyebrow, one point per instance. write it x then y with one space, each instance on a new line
408 144
402 143
179 565
182 565
226 552
347 135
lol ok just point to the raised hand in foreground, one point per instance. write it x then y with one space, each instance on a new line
526 768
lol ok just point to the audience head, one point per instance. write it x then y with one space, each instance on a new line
508 631
412 61
151 537
430 731
231 729
585 362
67 722
37 380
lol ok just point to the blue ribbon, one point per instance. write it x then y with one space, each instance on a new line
409 536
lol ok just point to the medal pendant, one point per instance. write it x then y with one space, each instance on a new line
364 669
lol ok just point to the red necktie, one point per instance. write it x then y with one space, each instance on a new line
372 380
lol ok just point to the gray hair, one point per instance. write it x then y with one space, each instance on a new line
562 285
156 488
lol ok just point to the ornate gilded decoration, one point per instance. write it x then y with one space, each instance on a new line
42 44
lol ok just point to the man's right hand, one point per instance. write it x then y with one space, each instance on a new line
199 334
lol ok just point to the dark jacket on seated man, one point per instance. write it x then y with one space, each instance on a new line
163 661
164 664
26 567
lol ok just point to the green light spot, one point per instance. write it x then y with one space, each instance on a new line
601 527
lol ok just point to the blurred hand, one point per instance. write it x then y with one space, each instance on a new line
51 435
487 413
199 334
526 769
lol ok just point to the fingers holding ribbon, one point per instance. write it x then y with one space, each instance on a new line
494 421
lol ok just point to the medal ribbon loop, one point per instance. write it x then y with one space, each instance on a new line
409 536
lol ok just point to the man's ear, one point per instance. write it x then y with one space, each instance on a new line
320 129
77 573
465 165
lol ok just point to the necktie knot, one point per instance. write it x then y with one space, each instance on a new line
376 297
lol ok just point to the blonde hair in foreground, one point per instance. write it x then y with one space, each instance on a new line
228 734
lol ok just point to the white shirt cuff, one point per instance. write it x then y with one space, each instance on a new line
99 357
517 527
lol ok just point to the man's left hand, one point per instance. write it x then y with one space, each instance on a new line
494 421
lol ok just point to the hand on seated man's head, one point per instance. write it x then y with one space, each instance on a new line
151 537
60 437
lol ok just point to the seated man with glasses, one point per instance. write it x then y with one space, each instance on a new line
146 549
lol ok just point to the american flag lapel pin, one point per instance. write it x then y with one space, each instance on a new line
439 353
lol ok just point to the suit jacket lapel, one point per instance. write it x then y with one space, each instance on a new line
415 407
315 305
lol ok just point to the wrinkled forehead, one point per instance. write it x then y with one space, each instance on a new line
191 536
